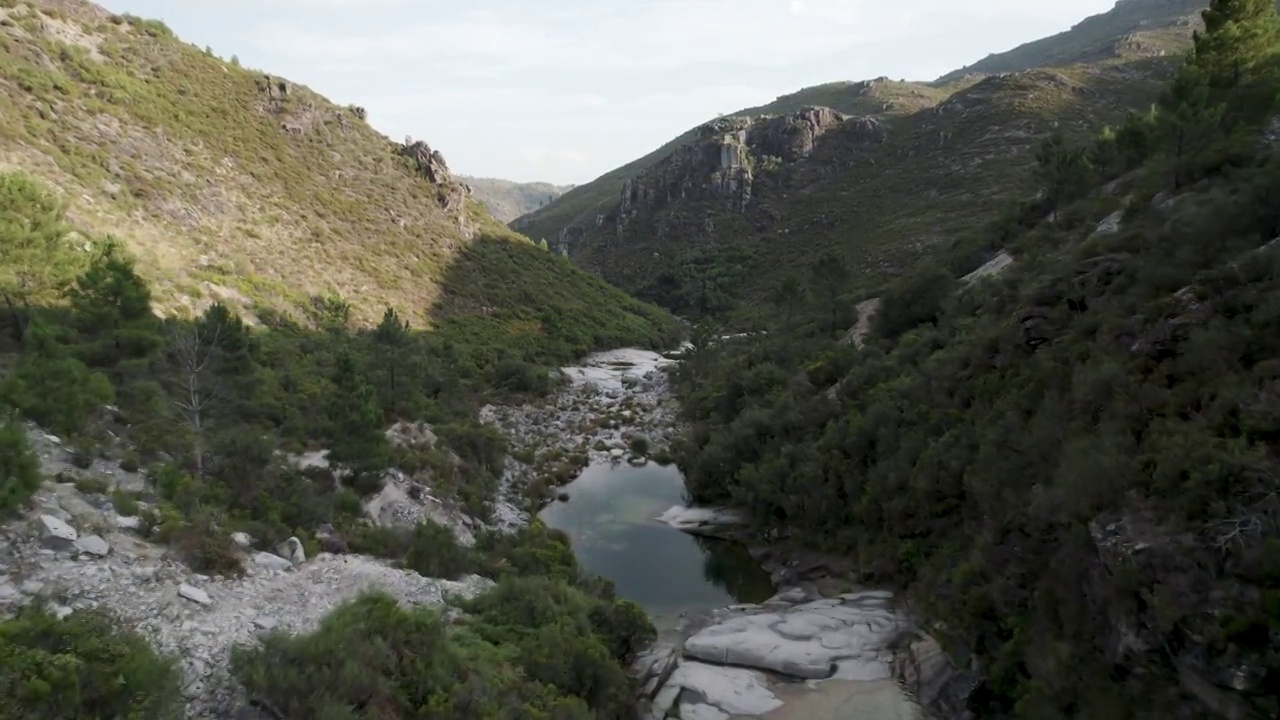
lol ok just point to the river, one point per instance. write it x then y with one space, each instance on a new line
610 517
730 644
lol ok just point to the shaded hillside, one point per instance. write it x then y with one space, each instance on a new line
227 183
942 154
1131 29
1070 456
750 200
576 210
507 200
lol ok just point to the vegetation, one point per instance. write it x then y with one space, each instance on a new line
542 644
19 469
219 177
1079 450
206 405
946 161
81 667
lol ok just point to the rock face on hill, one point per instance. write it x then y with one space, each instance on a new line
881 171
722 162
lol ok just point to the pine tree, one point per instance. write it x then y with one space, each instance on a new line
112 307
789 294
39 261
355 422
392 365
1189 120
1239 37
831 276
51 386
1064 169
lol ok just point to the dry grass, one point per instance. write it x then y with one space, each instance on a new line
222 190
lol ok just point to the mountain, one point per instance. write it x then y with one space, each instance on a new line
1133 28
1069 456
222 179
880 171
507 200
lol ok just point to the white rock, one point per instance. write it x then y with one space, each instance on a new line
265 622
56 534
194 594
617 452
61 611
292 551
698 711
9 593
128 522
731 690
269 561
93 545
842 638
242 539
703 521
32 587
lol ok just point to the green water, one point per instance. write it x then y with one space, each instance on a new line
609 519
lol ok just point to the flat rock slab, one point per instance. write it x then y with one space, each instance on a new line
93 545
843 700
839 637
703 521
712 691
56 534
194 594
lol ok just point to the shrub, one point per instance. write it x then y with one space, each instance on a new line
82 667
639 445
19 468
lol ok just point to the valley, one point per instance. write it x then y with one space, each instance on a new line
955 399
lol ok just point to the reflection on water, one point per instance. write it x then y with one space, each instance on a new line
609 518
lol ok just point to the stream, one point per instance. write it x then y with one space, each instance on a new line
730 644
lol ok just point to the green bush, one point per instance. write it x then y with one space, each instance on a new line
83 667
20 473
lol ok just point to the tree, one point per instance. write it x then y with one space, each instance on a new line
1136 139
788 296
39 261
355 420
112 307
1188 121
51 386
1065 170
19 469
391 365
543 244
831 276
1239 37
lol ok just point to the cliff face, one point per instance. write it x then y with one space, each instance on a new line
723 163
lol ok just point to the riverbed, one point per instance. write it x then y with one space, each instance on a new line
731 645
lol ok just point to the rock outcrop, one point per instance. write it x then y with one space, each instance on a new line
431 165
727 154
747 661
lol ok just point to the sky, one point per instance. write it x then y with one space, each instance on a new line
563 91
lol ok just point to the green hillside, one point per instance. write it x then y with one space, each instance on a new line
1072 465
